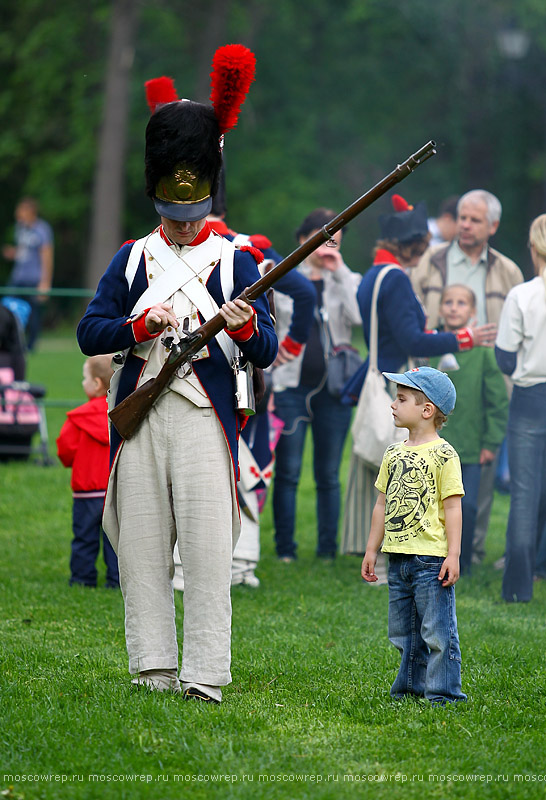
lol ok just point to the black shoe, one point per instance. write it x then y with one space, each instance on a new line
196 694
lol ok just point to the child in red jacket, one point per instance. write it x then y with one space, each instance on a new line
83 444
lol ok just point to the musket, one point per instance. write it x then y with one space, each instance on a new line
128 415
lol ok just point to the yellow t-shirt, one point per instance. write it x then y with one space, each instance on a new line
416 480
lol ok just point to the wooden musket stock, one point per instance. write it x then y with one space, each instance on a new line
128 415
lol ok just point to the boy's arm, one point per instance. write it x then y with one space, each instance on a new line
377 532
449 571
67 443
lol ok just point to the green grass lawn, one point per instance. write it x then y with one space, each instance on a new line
308 714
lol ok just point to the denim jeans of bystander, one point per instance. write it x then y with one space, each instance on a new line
423 627
527 460
329 421
471 482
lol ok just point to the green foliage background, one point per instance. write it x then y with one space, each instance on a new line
344 91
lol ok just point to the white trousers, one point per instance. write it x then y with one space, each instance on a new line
174 481
247 549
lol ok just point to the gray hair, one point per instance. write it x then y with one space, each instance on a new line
494 208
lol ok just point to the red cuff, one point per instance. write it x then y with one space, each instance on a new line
246 332
465 339
140 331
291 346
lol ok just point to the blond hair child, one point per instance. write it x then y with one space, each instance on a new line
83 444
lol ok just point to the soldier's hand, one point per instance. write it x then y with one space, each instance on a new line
160 317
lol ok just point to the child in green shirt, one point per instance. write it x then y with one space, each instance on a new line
477 426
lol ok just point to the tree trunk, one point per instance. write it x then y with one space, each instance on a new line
107 203
213 36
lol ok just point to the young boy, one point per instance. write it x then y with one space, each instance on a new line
83 445
477 426
417 516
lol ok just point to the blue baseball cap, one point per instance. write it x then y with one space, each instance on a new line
437 386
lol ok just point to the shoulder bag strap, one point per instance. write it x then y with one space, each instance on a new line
373 319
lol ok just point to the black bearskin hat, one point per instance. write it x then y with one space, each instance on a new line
183 135
184 139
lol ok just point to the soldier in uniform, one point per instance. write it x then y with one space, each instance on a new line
175 479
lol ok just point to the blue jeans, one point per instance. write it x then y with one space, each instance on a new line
423 627
471 483
527 461
330 422
540 564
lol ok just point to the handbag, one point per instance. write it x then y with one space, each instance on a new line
343 362
373 428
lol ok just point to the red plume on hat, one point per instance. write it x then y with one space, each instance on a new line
160 91
233 70
184 139
399 204
406 224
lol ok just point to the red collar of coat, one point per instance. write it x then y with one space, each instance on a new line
385 257
201 237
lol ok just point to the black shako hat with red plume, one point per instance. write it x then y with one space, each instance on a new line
407 224
184 139
183 159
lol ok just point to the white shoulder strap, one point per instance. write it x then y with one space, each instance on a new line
178 272
373 320
226 268
134 259
179 275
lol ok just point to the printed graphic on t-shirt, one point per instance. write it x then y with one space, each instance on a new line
412 492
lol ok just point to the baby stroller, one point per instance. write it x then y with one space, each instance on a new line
21 417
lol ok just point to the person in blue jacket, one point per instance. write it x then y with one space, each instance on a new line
402 334
175 479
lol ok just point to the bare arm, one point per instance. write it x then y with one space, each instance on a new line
46 277
377 532
449 572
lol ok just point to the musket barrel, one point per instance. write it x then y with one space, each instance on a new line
128 414
342 219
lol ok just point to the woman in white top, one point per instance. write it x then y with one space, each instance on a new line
521 353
